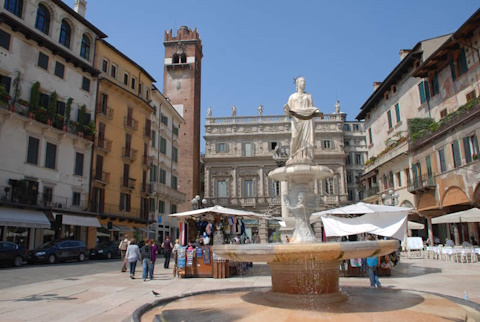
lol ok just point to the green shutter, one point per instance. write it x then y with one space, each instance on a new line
427 89
452 69
421 90
466 147
397 112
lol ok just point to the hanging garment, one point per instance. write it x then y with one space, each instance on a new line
190 258
206 255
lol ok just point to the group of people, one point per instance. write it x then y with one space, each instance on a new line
147 255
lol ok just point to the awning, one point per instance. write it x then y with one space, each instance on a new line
78 220
145 230
415 225
23 218
470 215
114 228
125 228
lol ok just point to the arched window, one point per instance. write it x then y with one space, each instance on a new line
85 49
14 6
43 19
65 34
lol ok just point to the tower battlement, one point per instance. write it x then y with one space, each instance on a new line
184 33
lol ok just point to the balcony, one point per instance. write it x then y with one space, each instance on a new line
129 154
147 161
147 132
130 123
372 191
104 144
424 182
105 111
248 202
128 183
102 177
168 193
147 188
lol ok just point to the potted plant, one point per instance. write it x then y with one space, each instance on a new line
81 119
89 130
68 111
16 91
34 99
52 108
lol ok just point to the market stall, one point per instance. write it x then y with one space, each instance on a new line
202 228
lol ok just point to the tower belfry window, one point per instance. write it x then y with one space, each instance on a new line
176 58
184 58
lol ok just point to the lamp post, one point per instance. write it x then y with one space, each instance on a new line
196 202
391 199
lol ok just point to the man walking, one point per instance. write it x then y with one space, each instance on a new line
167 248
123 250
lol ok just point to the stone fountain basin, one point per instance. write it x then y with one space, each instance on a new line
305 251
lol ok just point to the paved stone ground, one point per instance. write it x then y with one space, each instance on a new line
113 296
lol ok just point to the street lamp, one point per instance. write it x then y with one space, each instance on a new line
391 199
196 202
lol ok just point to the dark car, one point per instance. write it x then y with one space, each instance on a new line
58 251
12 254
106 250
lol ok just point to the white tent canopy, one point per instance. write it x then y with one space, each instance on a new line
415 225
218 210
470 215
380 220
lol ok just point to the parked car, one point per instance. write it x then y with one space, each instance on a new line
108 250
58 251
12 254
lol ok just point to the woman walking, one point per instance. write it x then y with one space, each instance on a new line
132 256
154 257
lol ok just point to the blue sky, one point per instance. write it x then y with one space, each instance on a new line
253 49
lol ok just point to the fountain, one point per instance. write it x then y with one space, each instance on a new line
305 272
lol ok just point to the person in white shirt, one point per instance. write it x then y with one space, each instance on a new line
449 242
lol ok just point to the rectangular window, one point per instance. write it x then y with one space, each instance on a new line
86 84
346 127
397 113
443 113
349 177
391 183
248 150
399 178
151 205
125 79
356 127
153 139
174 154
105 66
133 85
435 85
457 160
328 186
462 63
470 145
124 202
113 71
326 144
47 195
173 209
42 60
175 130
370 137
163 176
248 188
407 175
32 155
350 195
5 39
221 147
275 188
389 116
50 156
221 189
78 164
5 81
153 173
349 159
140 89
61 108
452 70
442 161
428 161
358 158
76 199
163 145
164 119
161 206
59 69
423 91
174 182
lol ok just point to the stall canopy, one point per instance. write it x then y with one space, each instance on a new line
218 210
361 217
412 225
470 215
78 220
23 218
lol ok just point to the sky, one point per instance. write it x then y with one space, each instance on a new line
253 50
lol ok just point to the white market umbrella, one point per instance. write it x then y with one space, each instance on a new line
470 215
412 225
218 210
380 220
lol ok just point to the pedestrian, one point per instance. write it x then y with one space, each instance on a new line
147 261
123 250
247 240
154 257
372 263
132 256
167 249
288 239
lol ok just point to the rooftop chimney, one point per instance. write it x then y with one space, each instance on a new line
376 85
404 53
80 7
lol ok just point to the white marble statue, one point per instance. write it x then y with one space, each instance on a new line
337 107
234 111
209 111
301 111
260 110
303 231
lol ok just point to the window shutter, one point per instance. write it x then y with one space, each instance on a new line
427 90
452 69
421 90
466 147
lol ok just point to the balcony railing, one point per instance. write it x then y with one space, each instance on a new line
102 177
147 161
105 111
130 123
23 198
129 153
147 132
372 191
128 183
147 188
104 144
420 183
167 192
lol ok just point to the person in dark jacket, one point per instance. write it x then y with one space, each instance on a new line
146 253
167 249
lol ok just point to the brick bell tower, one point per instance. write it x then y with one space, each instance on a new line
182 86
